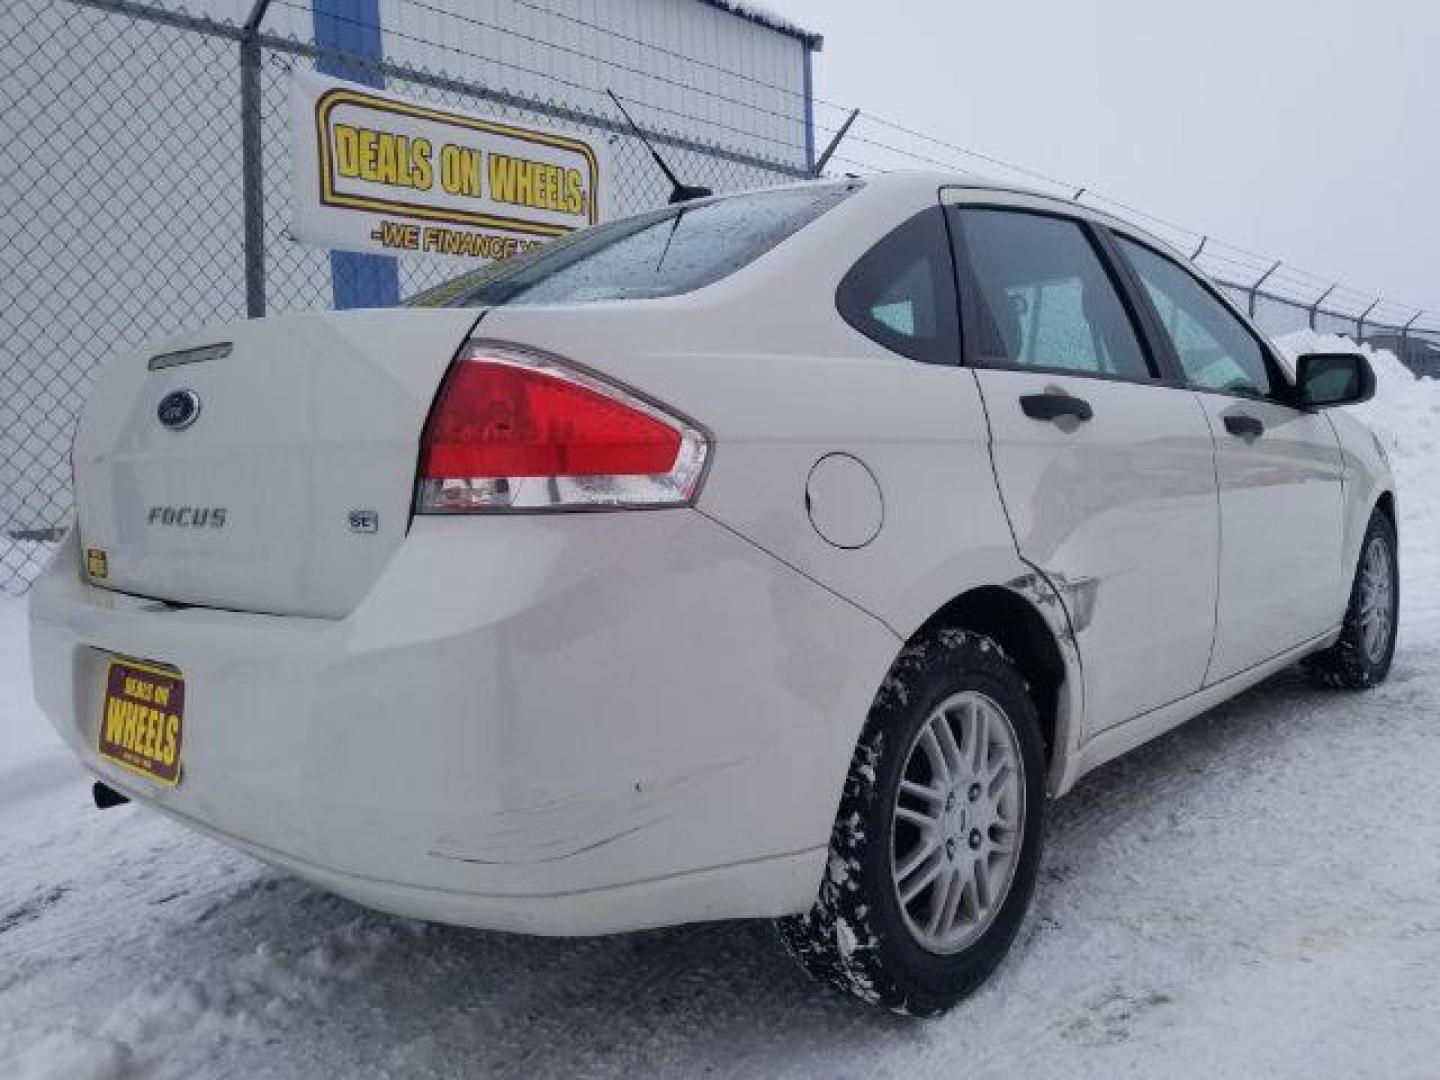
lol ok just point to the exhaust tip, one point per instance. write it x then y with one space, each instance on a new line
105 796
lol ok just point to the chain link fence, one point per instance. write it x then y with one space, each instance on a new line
123 132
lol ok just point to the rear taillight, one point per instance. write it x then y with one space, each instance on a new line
514 430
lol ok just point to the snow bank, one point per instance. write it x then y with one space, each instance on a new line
25 737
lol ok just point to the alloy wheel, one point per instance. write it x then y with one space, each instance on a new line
958 821
1377 600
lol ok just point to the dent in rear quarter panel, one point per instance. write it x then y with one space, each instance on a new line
922 432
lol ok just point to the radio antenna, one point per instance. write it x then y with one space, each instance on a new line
679 192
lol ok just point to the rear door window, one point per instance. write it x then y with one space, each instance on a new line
1043 297
901 293
663 253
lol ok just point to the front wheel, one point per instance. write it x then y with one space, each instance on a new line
1361 657
937 841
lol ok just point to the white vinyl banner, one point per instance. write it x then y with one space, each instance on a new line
379 173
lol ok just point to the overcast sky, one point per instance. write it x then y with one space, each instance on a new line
1306 129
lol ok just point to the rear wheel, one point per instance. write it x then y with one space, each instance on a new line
1362 656
937 841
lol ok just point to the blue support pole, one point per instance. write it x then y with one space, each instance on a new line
352 28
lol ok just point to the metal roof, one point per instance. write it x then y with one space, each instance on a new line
763 17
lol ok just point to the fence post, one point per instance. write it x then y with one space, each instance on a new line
1405 338
1360 322
251 166
824 158
1315 307
808 89
1254 289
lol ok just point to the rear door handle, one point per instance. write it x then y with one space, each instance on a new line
1052 406
1247 427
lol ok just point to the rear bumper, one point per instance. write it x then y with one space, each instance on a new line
558 724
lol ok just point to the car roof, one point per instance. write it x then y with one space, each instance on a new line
921 184
976 185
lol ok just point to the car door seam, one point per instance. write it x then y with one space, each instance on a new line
1219 540
1080 725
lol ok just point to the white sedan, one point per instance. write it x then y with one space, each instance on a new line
778 554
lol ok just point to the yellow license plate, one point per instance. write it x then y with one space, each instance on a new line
142 719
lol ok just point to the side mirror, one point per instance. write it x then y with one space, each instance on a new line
1324 380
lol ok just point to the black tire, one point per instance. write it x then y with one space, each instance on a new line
856 936
1347 665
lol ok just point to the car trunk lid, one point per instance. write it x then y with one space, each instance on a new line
275 475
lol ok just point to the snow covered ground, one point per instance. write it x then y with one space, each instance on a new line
1257 894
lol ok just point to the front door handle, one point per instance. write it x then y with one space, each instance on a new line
1247 427
1052 406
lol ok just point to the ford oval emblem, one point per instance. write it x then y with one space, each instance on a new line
178 409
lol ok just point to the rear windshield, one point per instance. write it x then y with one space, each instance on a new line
663 253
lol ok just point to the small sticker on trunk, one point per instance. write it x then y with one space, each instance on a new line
97 563
364 521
